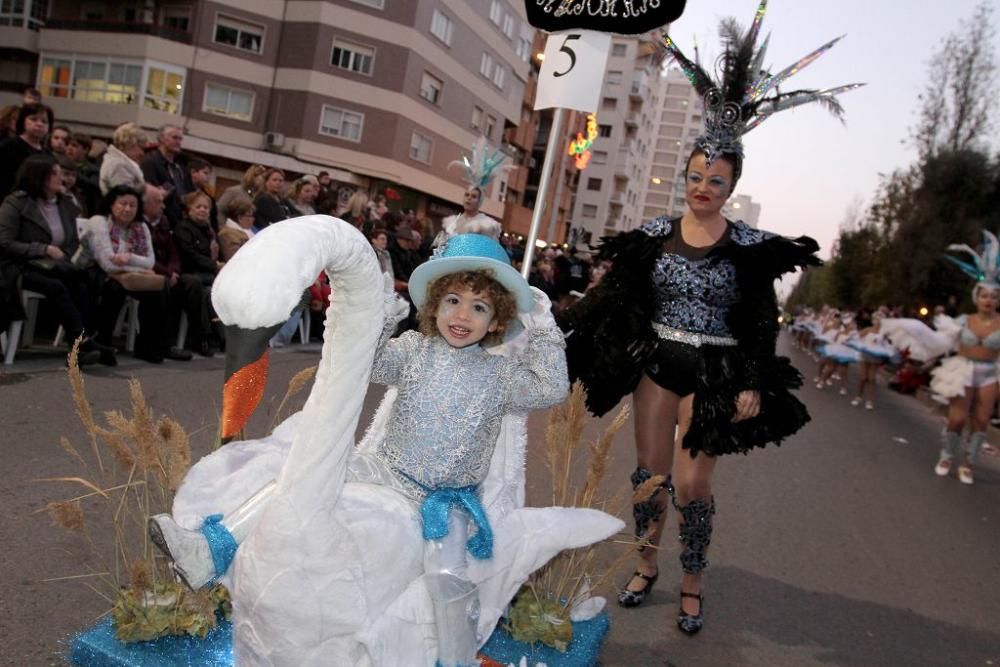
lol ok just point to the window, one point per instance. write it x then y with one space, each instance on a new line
486 65
594 184
508 25
341 123
619 50
477 118
499 72
352 57
164 88
441 27
240 35
430 88
225 101
496 11
111 81
491 123
599 157
524 49
176 18
604 130
420 148
613 78
19 13
609 103
588 211
374 4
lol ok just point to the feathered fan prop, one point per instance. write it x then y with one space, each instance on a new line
985 266
483 165
739 100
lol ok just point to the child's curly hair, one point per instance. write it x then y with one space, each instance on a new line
481 281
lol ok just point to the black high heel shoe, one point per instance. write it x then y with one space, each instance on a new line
627 598
688 623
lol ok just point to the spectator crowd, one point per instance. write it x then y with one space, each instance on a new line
89 225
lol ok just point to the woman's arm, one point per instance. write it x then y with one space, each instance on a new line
98 238
192 259
137 262
10 232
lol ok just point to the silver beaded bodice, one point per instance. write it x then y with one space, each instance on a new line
445 422
696 295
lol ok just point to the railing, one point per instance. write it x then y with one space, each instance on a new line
151 29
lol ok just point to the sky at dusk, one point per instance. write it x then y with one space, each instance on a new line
802 165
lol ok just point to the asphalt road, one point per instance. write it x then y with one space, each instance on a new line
839 548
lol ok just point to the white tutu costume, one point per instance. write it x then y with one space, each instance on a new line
334 571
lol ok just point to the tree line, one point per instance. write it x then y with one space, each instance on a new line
892 251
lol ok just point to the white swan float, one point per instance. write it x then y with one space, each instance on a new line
332 574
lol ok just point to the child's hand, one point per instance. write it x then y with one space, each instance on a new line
540 316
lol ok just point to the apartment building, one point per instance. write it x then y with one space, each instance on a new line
742 207
609 194
380 93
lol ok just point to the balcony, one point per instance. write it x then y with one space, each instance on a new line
632 120
171 34
640 87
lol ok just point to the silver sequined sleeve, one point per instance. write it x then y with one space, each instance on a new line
391 355
539 377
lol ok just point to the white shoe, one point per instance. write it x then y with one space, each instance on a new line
829 382
855 401
843 391
188 549
869 405
820 385
965 474
943 467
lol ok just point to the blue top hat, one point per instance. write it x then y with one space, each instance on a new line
471 252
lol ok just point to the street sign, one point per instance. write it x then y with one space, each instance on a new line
624 17
573 70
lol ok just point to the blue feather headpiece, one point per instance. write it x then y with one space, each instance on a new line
985 266
483 165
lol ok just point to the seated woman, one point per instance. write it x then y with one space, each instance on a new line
196 241
121 245
37 239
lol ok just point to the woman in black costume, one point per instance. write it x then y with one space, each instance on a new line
687 321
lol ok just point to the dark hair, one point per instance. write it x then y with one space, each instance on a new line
33 174
65 129
83 139
31 110
113 195
197 164
65 163
735 161
34 92
322 173
480 281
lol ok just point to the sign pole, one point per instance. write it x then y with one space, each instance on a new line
552 149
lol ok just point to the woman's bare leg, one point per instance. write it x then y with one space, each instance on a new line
655 418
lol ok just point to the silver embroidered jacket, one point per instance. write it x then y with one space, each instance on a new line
446 420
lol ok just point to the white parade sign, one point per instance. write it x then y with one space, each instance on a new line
573 70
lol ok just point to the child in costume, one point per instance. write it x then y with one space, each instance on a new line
381 569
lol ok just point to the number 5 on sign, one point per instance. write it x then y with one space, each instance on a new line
573 70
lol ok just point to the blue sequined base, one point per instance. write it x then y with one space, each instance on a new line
588 636
97 647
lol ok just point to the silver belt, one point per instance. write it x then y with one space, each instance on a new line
689 338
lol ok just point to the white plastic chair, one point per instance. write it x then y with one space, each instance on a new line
13 335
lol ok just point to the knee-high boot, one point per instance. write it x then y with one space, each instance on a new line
202 556
951 442
973 446
649 510
695 535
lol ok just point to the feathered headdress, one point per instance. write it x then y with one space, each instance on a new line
746 94
985 266
483 165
